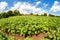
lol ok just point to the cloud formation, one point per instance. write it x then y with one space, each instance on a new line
45 5
3 5
27 8
38 2
55 7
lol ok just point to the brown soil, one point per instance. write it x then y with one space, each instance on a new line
41 35
35 37
16 36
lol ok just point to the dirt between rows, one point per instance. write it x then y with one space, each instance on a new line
35 37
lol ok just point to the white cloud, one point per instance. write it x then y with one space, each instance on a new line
26 8
55 7
45 5
38 2
3 5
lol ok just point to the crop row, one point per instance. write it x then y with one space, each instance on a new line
26 25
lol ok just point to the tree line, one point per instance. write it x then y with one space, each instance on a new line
9 13
17 13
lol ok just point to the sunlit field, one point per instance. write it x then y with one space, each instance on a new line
26 26
29 19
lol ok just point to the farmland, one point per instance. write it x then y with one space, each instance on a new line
31 25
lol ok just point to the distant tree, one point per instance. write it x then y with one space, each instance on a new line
45 14
0 16
16 12
37 14
57 16
10 13
4 15
31 13
51 15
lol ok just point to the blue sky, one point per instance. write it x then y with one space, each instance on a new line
49 6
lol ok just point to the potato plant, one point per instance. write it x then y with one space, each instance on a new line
29 25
